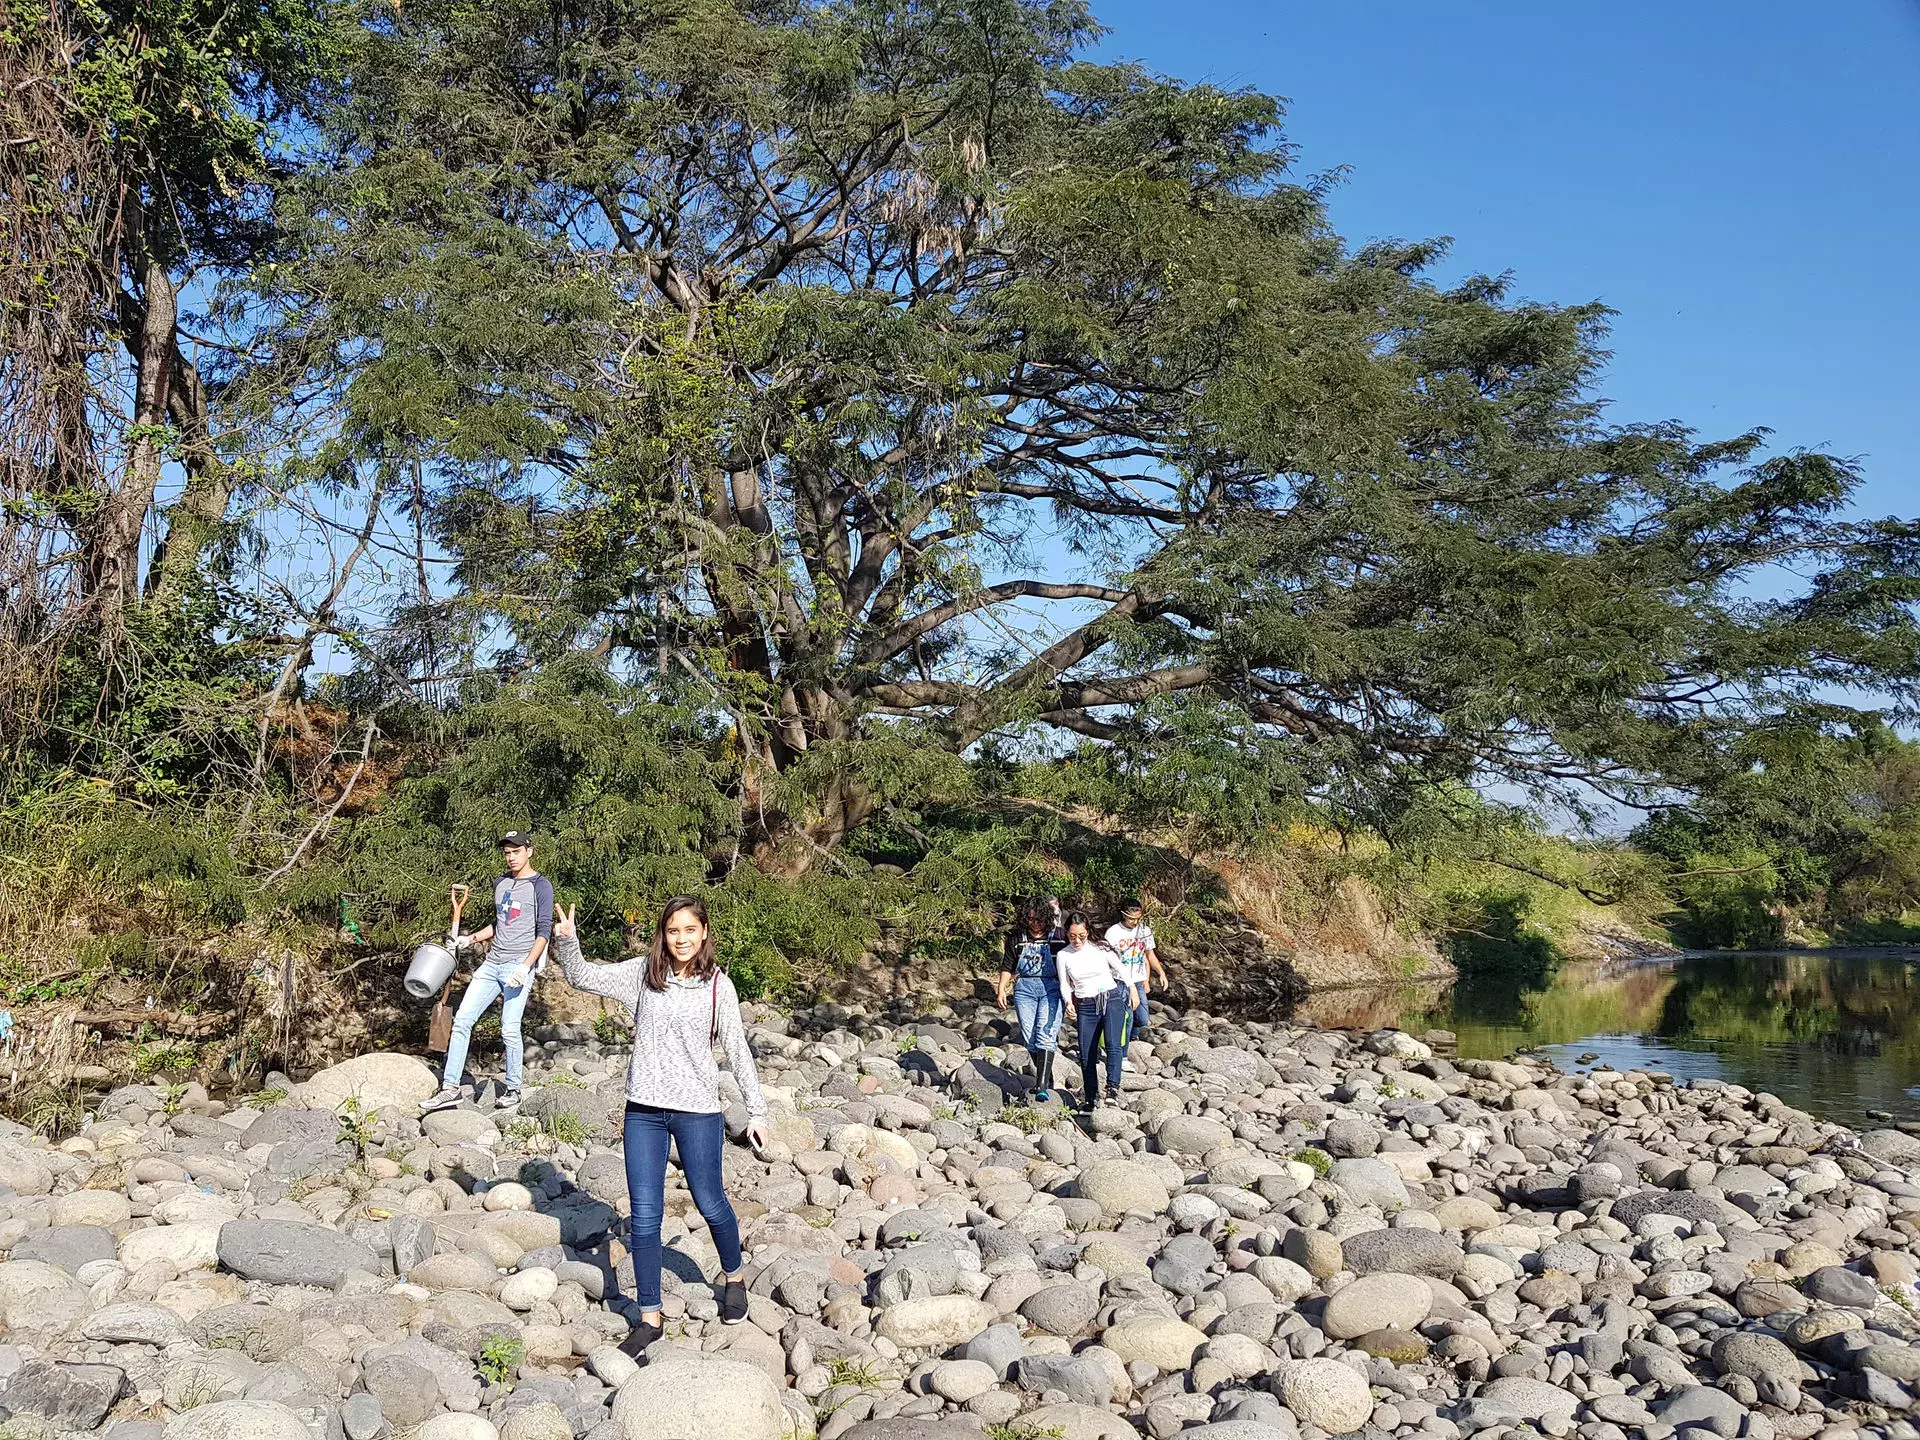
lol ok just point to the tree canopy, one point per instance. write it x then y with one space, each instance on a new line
891 383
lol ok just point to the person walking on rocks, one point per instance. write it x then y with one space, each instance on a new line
1028 969
521 931
1132 940
681 1004
1091 975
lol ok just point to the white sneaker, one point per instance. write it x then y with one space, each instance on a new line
445 1098
507 1100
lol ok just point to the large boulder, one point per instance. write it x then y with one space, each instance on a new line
1184 1134
1531 1400
286 1252
1327 1395
1162 1341
102 1208
194 1245
1407 1252
1687 1205
38 1297
1894 1147
684 1397
936 1321
22 1171
378 1081
72 1397
68 1246
237 1420
134 1324
1118 1186
1369 1182
1382 1301
454 1427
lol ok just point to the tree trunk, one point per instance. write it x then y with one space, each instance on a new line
781 844
194 519
113 559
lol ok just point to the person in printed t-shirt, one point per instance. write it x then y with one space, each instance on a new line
521 931
1132 940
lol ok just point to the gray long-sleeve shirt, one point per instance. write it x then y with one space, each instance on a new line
672 1065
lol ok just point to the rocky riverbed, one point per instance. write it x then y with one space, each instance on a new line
1279 1234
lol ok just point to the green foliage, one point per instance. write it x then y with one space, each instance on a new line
864 1374
1314 1159
1489 934
171 1057
1027 1119
619 789
499 1358
567 1128
893 467
1350 537
53 1108
157 857
607 1028
356 1126
1813 824
521 1129
1023 1430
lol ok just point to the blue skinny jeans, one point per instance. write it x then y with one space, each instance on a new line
699 1139
489 984
1094 1020
1040 1012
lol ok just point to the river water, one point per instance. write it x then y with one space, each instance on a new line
1833 1032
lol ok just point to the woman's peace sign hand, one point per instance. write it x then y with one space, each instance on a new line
563 926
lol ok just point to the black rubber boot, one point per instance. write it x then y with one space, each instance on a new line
1043 1082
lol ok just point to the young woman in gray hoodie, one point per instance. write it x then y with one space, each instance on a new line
681 1004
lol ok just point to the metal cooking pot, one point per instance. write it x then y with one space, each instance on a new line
431 968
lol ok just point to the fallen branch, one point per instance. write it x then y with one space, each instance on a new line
366 748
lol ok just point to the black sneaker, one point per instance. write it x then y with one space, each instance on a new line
733 1302
643 1334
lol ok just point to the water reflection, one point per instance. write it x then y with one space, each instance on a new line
1833 1032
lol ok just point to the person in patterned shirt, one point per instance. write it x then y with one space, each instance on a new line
517 942
1132 940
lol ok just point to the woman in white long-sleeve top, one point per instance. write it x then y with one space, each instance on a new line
1089 974
681 1004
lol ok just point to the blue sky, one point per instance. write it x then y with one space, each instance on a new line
1741 181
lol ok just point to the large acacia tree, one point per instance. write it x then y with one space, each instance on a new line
896 379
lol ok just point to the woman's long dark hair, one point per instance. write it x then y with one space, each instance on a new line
659 963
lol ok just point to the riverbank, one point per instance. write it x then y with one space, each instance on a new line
1836 1032
1277 1233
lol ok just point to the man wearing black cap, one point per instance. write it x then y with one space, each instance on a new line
521 931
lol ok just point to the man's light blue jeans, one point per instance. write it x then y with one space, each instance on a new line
489 984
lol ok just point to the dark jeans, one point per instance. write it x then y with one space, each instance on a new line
1093 1021
698 1138
1135 1024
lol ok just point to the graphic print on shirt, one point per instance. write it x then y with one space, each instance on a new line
1131 943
